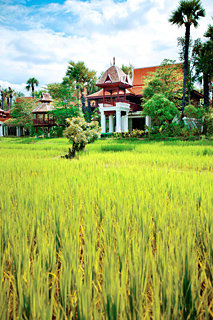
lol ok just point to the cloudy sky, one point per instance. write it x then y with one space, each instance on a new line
39 38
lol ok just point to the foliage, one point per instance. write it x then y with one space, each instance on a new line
21 114
128 70
7 96
188 13
166 80
125 235
136 133
80 133
208 121
194 118
31 83
82 79
193 112
79 73
65 102
96 116
160 109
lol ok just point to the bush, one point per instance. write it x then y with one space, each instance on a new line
160 109
136 133
80 133
191 111
209 124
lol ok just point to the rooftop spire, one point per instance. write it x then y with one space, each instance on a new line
113 61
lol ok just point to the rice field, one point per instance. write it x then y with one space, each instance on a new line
123 232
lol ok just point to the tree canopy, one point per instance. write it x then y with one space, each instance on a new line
21 114
64 101
166 80
82 78
31 83
160 109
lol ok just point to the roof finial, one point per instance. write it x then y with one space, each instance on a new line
113 61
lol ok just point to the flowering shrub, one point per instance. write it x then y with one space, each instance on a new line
136 133
80 133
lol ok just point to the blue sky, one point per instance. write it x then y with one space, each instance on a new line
39 38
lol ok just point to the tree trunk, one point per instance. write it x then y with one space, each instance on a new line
2 101
33 90
11 99
206 90
8 103
186 56
83 101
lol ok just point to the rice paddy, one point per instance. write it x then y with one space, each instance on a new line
123 232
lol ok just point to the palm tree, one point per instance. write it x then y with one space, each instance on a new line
188 13
203 56
81 76
31 83
6 95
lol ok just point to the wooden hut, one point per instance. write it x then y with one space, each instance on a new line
42 118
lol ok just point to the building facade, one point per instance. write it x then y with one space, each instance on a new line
119 99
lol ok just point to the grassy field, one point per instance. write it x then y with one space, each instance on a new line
123 232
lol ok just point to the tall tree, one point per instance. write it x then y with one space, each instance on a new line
203 56
3 96
81 76
188 13
31 83
7 96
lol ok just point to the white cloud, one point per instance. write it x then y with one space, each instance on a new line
17 87
134 31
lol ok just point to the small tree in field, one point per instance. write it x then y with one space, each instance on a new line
80 133
160 109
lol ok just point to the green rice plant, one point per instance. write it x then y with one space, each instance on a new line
111 235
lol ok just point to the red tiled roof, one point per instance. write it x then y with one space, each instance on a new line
139 77
141 73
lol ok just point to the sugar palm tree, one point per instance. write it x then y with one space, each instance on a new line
188 13
203 57
31 83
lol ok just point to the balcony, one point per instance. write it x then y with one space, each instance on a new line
44 123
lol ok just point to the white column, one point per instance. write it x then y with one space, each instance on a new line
130 124
118 121
148 121
1 130
18 131
126 122
103 122
5 131
111 129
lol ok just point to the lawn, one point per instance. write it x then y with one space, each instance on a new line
123 232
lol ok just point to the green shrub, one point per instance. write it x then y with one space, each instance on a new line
209 124
136 133
191 111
